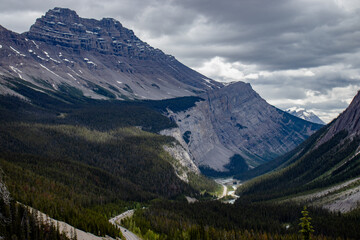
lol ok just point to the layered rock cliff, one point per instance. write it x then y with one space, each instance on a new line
349 121
236 120
101 58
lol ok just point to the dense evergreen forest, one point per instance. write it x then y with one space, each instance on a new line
243 220
330 163
82 161
19 223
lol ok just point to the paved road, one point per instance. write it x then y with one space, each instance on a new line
116 221
128 235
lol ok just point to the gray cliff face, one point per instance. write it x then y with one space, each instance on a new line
62 48
236 120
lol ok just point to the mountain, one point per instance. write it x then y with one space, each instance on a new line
101 58
234 122
84 107
304 114
324 170
66 55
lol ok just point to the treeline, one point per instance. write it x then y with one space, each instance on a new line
215 220
69 106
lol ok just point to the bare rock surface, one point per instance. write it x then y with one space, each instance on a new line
349 120
236 120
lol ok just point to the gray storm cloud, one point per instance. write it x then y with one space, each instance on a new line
293 52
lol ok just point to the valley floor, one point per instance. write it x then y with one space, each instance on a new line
229 187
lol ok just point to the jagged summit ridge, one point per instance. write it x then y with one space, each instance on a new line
64 27
101 58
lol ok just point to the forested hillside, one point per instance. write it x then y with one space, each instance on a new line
243 220
66 160
327 160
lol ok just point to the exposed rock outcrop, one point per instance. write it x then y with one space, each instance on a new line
236 120
349 120
183 164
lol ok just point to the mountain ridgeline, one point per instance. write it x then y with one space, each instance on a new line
101 58
66 55
94 121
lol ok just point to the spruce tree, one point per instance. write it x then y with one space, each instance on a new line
306 228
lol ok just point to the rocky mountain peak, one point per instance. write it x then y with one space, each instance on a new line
349 120
100 58
62 14
64 27
304 114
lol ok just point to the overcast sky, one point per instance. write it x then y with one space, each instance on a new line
303 53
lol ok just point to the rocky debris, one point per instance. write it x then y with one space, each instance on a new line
101 58
304 114
236 120
345 201
343 197
184 164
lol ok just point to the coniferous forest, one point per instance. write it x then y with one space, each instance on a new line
84 161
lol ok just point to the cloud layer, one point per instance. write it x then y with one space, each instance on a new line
293 52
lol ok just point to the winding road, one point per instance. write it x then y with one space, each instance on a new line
126 233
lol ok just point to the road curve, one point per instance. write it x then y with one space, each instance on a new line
126 233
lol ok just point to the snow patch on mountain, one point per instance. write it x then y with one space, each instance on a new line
304 114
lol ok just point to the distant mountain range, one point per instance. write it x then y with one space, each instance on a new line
304 114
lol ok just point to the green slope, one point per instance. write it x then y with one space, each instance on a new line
319 163
70 156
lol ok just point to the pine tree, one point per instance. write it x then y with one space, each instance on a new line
306 228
